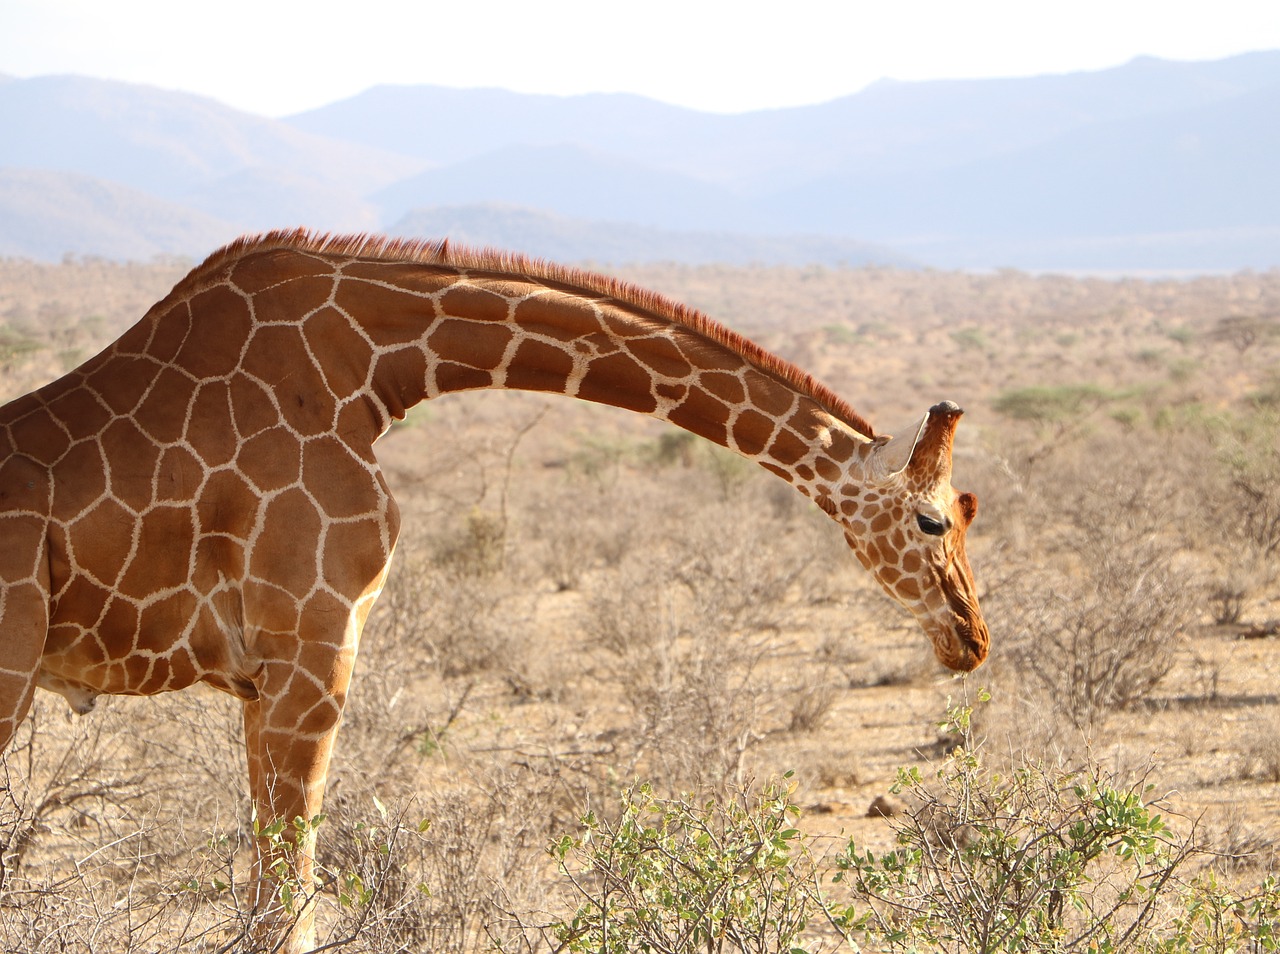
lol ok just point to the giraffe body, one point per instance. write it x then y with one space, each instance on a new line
201 501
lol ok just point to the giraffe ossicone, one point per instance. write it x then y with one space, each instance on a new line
201 501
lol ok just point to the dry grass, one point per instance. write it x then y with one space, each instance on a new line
581 599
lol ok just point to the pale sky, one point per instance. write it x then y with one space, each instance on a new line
276 57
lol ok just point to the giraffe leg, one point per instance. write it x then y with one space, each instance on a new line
289 734
24 616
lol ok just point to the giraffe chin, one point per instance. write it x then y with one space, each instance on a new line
962 647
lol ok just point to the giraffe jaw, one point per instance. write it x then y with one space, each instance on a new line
960 645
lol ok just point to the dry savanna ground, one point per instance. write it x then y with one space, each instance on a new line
583 598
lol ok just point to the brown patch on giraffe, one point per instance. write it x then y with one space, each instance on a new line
169 330
157 677
661 356
751 432
623 319
417 279
165 530
324 661
787 448
769 395
827 468
357 420
842 446
538 366
86 463
671 392
130 344
475 303
18 559
702 414
80 605
451 377
132 457
726 387
217 559
182 668
595 345
400 378
40 436
261 269
163 413
79 410
290 517
341 485
346 568
908 589
120 618
212 346
778 471
277 356
124 386
556 316
252 409
464 342
161 623
291 299
349 353
390 317
179 474
211 427
273 611
619 380
271 459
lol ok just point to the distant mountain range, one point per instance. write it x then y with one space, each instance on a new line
1154 165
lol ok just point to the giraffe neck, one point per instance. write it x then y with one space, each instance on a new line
403 325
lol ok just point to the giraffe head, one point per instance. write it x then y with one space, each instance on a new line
906 524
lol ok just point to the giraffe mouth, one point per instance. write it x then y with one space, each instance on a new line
961 646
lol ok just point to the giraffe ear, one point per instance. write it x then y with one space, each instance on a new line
891 455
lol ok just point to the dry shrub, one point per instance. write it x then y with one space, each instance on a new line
1262 755
445 613
690 629
437 873
1106 638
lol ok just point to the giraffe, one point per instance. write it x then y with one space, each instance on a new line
201 501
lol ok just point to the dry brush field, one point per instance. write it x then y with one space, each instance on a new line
583 598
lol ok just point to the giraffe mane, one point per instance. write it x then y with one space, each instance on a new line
444 252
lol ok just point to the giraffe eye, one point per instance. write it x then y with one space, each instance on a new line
935 528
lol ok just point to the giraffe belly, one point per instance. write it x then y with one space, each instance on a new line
167 644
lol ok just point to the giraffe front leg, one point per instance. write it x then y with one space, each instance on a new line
289 734
24 614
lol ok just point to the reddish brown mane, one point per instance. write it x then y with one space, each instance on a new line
446 253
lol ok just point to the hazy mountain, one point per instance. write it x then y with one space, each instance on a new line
888 127
1150 165
1203 171
46 215
561 238
441 126
576 182
168 143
